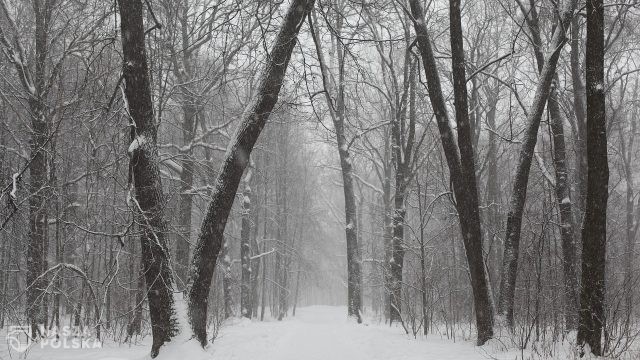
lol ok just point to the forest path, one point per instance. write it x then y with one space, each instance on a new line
315 333
324 333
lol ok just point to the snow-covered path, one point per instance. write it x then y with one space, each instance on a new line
323 333
315 333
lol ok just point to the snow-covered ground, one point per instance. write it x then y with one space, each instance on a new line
324 333
315 333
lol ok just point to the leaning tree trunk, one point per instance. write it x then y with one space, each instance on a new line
211 233
594 228
562 188
145 175
520 183
462 170
470 213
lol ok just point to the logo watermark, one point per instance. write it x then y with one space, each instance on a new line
67 337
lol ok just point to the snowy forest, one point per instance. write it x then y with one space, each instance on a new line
319 179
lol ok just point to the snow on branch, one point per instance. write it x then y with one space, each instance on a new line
138 142
14 186
547 175
16 57
263 254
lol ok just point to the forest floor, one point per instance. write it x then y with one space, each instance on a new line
315 333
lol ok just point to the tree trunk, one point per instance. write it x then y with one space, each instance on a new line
145 175
185 205
462 172
246 303
520 183
387 234
135 326
493 195
211 233
579 105
403 157
562 189
594 228
354 260
226 280
37 245
397 252
470 213
627 149
563 196
283 217
423 266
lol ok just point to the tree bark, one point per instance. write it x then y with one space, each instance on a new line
145 175
211 233
594 228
